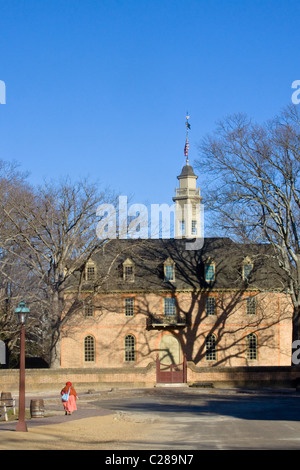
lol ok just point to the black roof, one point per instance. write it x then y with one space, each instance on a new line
149 256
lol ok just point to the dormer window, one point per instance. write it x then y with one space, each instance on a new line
128 270
169 270
247 269
90 271
209 271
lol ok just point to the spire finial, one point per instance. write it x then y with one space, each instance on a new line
187 146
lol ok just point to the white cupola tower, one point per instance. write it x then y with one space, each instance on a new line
187 200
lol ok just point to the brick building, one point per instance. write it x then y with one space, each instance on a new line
218 305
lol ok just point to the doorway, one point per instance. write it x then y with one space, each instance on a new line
170 367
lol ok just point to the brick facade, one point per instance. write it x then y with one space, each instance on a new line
230 324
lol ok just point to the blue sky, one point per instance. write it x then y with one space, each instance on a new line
100 88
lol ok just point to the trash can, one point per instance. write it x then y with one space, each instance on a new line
37 408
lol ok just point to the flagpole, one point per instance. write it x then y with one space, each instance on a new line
186 147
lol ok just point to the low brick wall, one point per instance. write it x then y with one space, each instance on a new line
50 380
277 376
39 380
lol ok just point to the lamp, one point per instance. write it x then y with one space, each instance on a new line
22 311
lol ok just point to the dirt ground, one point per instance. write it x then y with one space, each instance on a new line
166 419
110 432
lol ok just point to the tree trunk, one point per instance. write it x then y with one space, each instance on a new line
55 356
57 312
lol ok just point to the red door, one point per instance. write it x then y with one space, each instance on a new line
171 373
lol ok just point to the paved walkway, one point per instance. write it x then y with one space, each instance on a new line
54 411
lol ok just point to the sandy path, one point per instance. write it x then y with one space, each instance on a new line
104 432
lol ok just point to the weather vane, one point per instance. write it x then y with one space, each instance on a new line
187 146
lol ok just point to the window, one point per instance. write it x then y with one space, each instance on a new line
251 305
169 306
128 270
194 227
182 227
129 346
169 270
210 348
210 306
209 272
169 273
90 271
88 309
251 346
128 273
129 306
89 349
247 269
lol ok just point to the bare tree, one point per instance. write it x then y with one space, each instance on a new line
255 192
54 236
15 280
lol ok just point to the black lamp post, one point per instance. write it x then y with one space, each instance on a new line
22 311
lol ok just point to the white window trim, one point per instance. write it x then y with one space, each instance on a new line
247 262
127 264
210 263
169 263
90 264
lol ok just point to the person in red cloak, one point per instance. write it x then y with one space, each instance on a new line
69 405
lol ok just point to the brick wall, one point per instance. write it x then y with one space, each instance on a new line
230 325
53 380
39 380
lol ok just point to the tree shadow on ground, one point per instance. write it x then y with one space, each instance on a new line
272 407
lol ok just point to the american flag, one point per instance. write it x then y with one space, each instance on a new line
186 147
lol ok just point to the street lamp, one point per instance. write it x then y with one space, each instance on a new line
22 311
